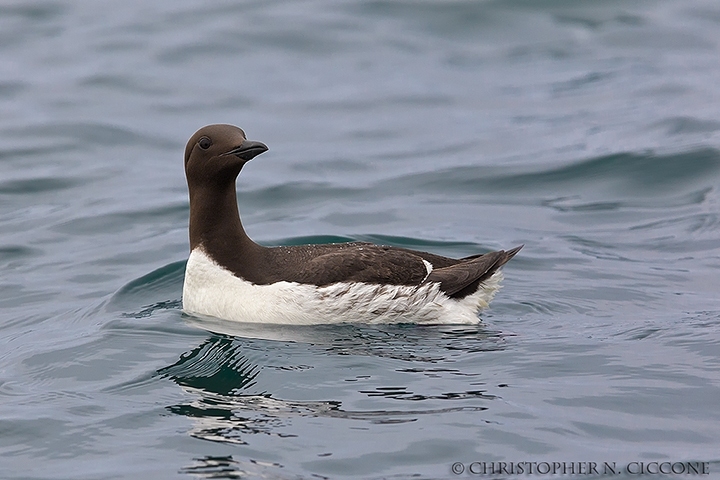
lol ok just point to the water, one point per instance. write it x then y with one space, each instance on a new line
589 131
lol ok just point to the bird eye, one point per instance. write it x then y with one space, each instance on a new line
204 143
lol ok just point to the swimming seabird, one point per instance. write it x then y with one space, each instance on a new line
233 278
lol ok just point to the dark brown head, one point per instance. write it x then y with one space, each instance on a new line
215 154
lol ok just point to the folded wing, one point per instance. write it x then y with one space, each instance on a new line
367 263
463 278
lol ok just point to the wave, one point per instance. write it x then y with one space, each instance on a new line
597 183
631 173
157 290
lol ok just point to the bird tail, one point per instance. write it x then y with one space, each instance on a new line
463 278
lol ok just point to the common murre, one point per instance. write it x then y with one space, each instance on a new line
233 278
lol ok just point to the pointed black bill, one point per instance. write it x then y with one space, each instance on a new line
248 150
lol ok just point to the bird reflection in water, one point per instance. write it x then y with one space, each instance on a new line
227 405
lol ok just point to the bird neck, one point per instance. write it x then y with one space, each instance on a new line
215 220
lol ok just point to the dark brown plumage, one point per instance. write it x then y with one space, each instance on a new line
214 157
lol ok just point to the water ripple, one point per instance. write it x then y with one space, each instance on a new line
627 174
38 185
146 290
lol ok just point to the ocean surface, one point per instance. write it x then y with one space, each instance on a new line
589 131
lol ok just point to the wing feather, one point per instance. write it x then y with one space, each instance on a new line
368 264
463 278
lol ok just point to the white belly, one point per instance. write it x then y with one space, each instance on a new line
212 290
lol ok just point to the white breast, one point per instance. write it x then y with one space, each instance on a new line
209 289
